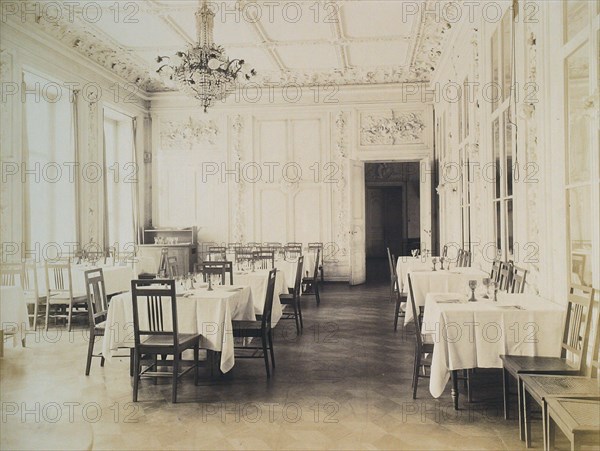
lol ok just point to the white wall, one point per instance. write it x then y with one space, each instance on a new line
291 161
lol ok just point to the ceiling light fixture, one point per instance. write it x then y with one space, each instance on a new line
204 71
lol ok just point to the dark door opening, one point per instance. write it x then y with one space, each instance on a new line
392 214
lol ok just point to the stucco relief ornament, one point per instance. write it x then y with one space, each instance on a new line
394 129
187 135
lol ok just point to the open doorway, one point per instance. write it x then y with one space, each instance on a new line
392 207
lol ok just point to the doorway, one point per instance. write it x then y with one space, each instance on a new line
392 207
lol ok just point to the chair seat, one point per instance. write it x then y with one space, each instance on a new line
532 365
60 298
101 325
246 325
543 385
308 279
286 299
167 340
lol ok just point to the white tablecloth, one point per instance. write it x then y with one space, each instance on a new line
13 310
405 264
257 281
289 268
475 334
447 281
206 312
117 279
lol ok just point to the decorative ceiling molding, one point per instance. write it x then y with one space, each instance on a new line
425 48
187 135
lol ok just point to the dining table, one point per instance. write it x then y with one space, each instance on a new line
425 280
422 263
257 280
14 318
117 278
199 311
289 266
474 334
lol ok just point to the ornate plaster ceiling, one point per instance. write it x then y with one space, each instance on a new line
309 42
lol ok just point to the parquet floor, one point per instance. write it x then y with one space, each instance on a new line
343 384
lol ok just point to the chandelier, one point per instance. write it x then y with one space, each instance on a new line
204 71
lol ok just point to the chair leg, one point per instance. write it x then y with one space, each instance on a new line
416 374
196 361
131 361
266 355
545 423
35 314
70 317
316 288
271 348
526 415
88 363
520 408
296 316
397 312
505 388
300 312
136 374
47 315
551 432
175 374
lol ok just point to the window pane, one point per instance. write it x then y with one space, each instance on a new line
50 153
576 14
509 226
580 231
495 72
498 225
496 156
506 53
508 152
577 68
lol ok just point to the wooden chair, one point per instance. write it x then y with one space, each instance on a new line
156 333
259 329
11 274
423 350
59 291
517 280
459 258
314 247
173 267
97 311
311 284
217 253
264 259
495 272
578 419
32 293
293 299
394 285
292 251
540 388
574 344
244 255
395 293
467 257
209 269
505 276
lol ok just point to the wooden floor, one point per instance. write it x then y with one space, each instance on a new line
343 384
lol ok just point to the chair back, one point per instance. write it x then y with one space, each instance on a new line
391 266
268 307
217 268
298 280
517 282
577 325
159 303
12 274
459 258
96 296
416 321
243 253
505 276
495 272
217 253
292 251
264 259
314 247
593 369
466 259
316 270
30 279
59 279
173 267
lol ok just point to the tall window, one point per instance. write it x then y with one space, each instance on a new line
581 38
502 136
121 175
50 180
465 160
